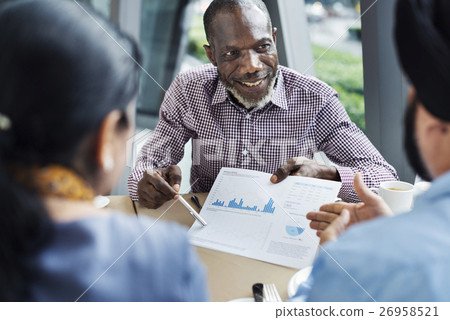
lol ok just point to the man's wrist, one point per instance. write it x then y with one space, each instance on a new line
331 173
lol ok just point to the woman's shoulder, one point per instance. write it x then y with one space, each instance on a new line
154 257
118 231
157 234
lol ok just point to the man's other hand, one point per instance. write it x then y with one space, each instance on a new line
372 206
305 167
159 186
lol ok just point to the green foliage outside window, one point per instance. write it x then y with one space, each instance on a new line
197 39
343 72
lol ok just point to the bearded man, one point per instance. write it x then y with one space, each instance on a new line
245 111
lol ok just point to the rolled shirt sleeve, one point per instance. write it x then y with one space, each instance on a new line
165 146
349 149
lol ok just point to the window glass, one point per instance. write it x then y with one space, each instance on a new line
161 39
197 36
335 32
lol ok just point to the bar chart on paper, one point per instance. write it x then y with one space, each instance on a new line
245 194
233 204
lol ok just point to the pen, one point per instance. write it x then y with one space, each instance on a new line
197 203
192 211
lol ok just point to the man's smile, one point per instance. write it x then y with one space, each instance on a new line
253 88
252 84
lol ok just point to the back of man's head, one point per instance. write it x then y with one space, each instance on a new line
422 35
227 6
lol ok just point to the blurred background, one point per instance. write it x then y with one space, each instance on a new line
335 34
174 39
346 43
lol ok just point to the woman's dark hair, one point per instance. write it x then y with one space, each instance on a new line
63 68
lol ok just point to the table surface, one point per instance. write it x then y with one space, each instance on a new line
121 203
229 276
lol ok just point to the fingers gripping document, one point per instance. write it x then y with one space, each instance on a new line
249 216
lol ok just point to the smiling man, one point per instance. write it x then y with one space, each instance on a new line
244 110
245 54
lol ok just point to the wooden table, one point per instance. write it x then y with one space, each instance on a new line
121 203
229 276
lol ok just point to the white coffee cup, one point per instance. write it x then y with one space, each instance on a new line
397 194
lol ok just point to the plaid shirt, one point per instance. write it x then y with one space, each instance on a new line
303 117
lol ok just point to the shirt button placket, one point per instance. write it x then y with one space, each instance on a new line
247 137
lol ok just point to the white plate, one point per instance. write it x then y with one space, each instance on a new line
243 300
297 279
101 201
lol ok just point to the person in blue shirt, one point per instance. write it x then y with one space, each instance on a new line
68 86
405 257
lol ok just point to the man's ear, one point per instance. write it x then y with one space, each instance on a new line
274 35
210 54
106 140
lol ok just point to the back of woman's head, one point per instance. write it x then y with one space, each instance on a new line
63 69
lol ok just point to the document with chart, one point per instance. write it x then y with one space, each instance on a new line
249 216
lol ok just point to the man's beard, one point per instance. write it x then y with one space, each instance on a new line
410 143
252 103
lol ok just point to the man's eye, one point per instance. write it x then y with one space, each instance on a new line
264 47
231 53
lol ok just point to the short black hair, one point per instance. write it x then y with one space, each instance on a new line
218 6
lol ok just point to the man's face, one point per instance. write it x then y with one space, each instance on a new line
244 51
410 141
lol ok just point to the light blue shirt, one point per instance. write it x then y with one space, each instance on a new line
404 258
157 264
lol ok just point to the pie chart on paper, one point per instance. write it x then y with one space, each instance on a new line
294 231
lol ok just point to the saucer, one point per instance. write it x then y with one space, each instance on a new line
243 300
101 201
297 279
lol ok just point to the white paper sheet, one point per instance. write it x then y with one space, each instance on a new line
249 216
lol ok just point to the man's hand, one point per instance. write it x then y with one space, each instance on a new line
159 186
372 206
305 167
336 228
